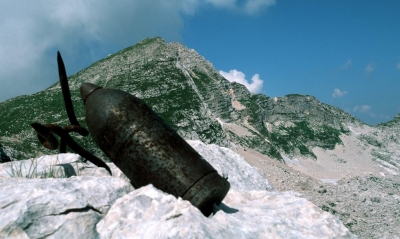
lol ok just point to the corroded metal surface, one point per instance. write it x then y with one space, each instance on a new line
147 150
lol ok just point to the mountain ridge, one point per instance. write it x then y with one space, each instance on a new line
191 96
327 154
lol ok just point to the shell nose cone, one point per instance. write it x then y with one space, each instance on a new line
87 89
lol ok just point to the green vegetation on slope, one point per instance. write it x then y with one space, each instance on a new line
189 94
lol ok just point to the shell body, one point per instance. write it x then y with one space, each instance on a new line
147 150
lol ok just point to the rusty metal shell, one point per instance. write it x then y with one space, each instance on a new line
147 150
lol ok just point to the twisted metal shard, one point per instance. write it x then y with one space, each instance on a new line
45 132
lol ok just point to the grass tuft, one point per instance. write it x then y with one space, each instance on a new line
21 170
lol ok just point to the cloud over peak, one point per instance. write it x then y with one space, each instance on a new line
249 7
365 109
338 93
253 6
32 32
348 64
237 76
370 68
398 65
362 108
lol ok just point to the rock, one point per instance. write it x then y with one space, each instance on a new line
150 213
56 208
241 175
321 190
376 199
3 156
372 213
99 205
56 166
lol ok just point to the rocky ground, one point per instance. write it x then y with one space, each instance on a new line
368 205
88 203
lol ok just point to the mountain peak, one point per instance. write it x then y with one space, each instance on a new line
192 97
152 40
394 122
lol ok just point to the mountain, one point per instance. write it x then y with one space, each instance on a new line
192 97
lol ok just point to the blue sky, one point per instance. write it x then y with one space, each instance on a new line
345 53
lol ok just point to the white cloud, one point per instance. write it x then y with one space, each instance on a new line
362 108
348 64
338 93
249 7
223 3
385 117
234 75
85 31
398 65
365 109
253 6
33 31
370 68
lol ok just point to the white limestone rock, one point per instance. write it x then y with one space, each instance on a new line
150 213
56 208
56 166
241 175
102 206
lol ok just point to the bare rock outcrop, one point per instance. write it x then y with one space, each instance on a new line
150 213
101 206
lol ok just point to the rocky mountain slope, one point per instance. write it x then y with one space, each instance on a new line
192 97
367 204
